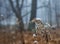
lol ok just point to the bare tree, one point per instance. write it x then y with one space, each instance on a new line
50 13
17 12
57 22
33 12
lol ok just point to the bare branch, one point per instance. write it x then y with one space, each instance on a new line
26 14
17 13
22 4
17 5
42 6
11 3
30 11
37 7
27 6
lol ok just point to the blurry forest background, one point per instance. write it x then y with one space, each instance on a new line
16 14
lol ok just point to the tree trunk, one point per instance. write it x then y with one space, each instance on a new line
17 12
56 14
33 13
50 14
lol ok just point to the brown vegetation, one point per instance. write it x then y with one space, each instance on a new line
14 37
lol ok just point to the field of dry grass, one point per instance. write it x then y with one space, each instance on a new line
14 37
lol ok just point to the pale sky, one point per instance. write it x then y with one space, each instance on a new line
41 13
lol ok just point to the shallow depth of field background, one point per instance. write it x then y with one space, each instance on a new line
15 16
